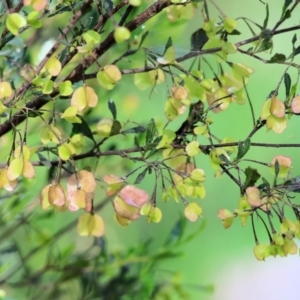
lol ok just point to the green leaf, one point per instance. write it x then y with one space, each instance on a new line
293 90
144 35
234 32
44 160
116 128
168 44
266 18
294 40
277 58
141 176
198 39
137 129
265 186
266 43
82 128
296 51
292 185
152 147
136 142
287 15
243 148
277 168
251 177
177 231
34 114
166 254
287 83
113 109
224 159
206 10
151 131
285 6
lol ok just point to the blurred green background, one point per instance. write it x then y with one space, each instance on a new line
218 257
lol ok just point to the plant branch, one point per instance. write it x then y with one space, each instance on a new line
244 42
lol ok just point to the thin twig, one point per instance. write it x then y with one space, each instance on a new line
250 103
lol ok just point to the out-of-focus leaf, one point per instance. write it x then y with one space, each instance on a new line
113 109
166 255
44 160
116 127
168 44
195 233
266 18
136 142
277 168
143 39
137 129
141 176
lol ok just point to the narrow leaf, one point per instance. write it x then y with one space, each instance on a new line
266 18
277 168
285 6
294 40
152 147
287 84
265 186
144 35
168 44
82 128
292 185
141 176
113 109
44 160
137 129
293 90
297 51
136 142
151 131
